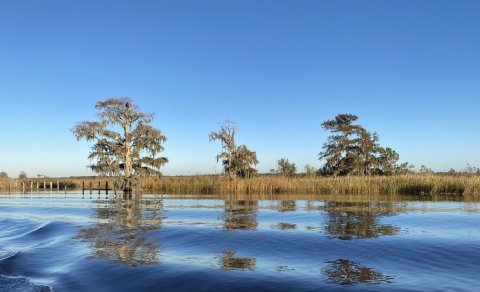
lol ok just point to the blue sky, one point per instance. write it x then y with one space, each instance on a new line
409 69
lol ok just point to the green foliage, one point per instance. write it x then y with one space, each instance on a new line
387 160
284 167
405 168
387 163
352 150
129 153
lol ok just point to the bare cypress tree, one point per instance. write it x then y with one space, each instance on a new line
237 161
243 159
129 153
227 136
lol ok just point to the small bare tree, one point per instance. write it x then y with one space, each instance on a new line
284 167
129 153
22 175
425 170
226 135
237 161
310 171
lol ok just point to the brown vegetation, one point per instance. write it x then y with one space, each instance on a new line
412 184
403 184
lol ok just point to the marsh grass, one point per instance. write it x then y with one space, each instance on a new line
413 184
57 183
410 184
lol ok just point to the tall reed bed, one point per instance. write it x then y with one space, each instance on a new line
411 184
56 183
414 184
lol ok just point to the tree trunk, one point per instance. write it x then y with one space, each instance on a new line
128 160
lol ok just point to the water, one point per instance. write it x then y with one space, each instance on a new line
74 242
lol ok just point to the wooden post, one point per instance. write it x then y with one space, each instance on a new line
106 188
44 187
65 185
50 185
58 186
83 187
90 187
99 187
23 186
31 185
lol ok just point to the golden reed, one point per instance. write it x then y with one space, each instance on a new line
413 184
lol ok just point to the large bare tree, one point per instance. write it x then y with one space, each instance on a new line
126 154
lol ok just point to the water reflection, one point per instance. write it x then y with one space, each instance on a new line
240 215
288 205
285 226
227 262
348 273
119 231
358 220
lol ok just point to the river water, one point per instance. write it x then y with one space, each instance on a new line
99 242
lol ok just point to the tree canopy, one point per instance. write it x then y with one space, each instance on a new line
126 154
310 170
236 160
22 175
352 150
285 167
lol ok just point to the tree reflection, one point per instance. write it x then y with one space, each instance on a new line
227 262
118 235
288 205
285 226
240 215
358 220
348 273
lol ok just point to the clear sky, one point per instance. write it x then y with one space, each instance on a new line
409 69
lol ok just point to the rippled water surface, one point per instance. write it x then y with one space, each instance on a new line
98 242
